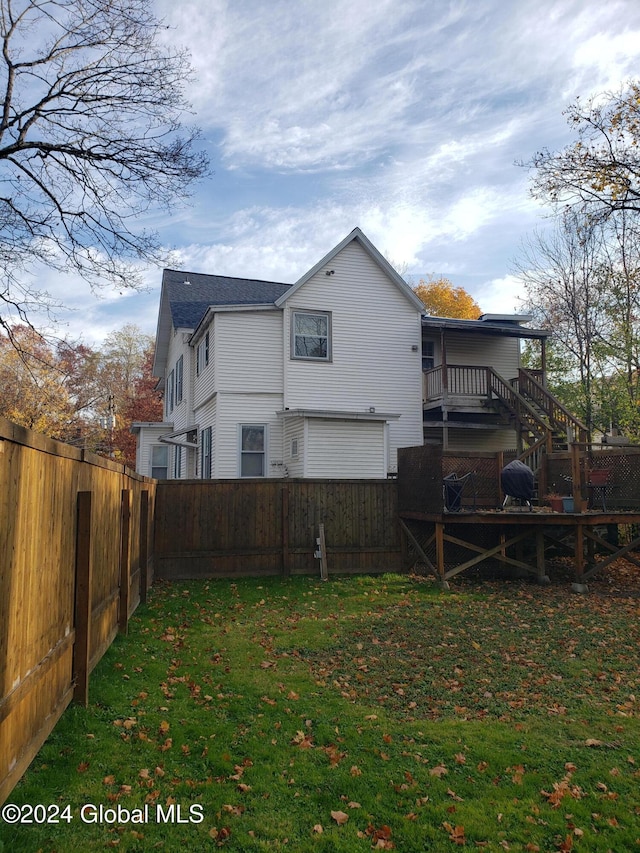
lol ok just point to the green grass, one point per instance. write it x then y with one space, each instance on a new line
498 716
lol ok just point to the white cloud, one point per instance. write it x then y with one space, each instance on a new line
504 295
400 116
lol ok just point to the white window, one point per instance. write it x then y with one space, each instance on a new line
206 453
177 463
253 450
311 335
159 461
294 448
179 378
202 354
170 391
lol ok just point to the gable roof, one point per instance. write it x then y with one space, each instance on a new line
190 294
375 256
186 297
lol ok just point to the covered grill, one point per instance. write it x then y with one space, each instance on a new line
516 479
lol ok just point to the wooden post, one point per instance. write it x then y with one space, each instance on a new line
324 569
125 559
286 556
542 576
82 642
576 477
500 466
439 532
144 545
579 585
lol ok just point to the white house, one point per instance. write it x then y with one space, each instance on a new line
321 378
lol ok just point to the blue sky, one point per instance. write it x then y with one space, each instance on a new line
403 117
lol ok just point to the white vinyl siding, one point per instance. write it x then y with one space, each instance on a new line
482 439
373 330
147 439
469 349
205 371
232 410
205 417
345 449
248 351
294 432
178 390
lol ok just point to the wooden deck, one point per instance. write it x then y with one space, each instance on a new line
518 539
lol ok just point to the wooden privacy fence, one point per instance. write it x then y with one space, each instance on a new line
226 528
75 536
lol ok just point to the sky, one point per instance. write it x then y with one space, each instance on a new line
407 118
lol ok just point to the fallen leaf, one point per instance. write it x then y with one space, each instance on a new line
438 771
340 817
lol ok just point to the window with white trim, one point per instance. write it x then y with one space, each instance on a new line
179 378
206 453
202 354
253 443
170 391
159 461
177 463
311 335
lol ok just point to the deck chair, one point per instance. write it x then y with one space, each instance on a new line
453 487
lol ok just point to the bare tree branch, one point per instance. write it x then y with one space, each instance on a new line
91 138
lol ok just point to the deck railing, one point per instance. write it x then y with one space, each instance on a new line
458 381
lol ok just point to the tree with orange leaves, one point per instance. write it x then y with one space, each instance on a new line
442 299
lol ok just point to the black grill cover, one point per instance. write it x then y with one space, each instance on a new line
517 480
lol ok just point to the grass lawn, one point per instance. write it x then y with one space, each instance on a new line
362 713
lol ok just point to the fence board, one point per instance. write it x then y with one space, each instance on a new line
40 480
229 528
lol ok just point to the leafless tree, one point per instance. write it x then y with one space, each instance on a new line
91 140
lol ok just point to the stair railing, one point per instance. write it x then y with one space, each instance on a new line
559 417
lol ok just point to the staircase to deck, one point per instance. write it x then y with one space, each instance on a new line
542 423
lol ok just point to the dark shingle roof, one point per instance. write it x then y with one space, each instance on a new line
190 294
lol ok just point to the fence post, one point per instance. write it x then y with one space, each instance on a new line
82 641
144 545
576 477
125 559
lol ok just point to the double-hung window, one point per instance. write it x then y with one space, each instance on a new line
253 442
202 354
159 461
170 391
311 335
179 379
206 453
